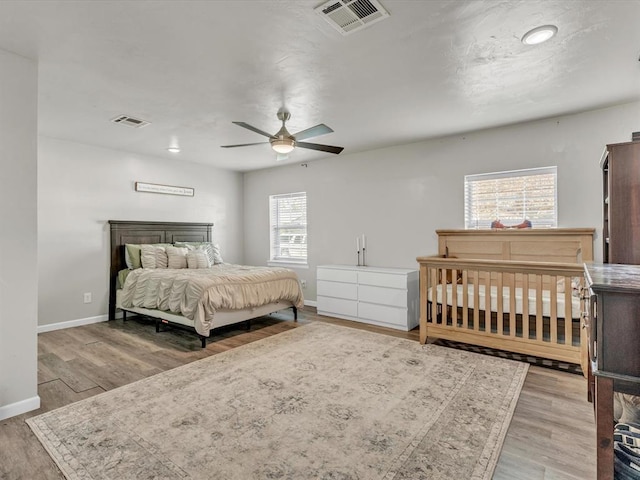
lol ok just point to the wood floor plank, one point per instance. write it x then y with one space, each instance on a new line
551 436
72 377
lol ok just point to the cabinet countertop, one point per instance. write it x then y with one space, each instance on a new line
397 271
610 276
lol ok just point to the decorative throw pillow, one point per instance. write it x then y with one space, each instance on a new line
132 256
153 256
177 257
217 256
197 259
212 251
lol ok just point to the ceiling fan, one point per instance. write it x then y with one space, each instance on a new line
284 142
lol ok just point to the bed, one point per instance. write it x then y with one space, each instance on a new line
515 290
208 312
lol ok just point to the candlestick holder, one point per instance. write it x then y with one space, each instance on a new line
358 258
364 262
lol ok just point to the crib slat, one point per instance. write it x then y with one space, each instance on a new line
476 300
454 298
465 299
512 305
445 303
487 301
500 299
568 312
525 306
553 317
434 295
539 328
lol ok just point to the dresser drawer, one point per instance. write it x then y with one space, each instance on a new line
382 279
335 275
386 296
338 306
383 313
348 291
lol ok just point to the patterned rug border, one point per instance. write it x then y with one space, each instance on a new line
483 470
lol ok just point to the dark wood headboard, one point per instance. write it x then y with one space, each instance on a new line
123 232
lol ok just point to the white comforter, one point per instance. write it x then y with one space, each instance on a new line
198 293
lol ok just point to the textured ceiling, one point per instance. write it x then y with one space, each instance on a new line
432 68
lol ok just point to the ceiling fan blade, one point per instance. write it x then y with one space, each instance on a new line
243 145
253 129
322 148
320 129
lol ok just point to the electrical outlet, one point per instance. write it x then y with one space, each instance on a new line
303 283
87 297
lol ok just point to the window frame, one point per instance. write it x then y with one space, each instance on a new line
300 231
509 201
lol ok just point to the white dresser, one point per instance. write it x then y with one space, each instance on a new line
381 296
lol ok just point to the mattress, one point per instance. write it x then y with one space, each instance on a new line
506 300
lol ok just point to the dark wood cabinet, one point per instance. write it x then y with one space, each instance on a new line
612 320
621 203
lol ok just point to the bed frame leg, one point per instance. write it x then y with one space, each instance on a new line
295 314
157 325
203 341
124 315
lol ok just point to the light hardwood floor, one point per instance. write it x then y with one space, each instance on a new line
552 434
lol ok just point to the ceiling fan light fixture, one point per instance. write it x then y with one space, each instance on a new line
283 145
539 35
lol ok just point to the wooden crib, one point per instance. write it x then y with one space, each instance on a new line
514 290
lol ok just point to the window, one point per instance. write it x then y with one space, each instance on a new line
511 197
288 223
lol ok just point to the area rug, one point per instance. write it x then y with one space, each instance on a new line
521 357
316 402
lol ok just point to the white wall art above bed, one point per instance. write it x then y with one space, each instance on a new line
168 189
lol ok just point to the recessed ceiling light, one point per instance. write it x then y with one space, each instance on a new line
173 150
539 34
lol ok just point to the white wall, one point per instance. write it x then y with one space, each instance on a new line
81 187
18 238
399 196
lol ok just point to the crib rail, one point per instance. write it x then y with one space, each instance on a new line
525 307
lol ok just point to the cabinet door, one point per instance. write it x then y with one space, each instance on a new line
337 275
384 314
337 289
337 306
624 203
380 279
384 296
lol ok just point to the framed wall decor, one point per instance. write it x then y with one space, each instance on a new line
166 189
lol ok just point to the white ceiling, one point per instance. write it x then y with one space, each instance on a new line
432 68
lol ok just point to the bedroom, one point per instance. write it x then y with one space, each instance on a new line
421 182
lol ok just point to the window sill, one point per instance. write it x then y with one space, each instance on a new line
286 263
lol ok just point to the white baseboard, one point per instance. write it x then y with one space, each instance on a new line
18 408
73 323
311 303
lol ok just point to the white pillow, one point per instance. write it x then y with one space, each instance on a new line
177 257
217 256
212 251
197 259
153 256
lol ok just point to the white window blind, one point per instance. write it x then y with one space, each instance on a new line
511 197
288 223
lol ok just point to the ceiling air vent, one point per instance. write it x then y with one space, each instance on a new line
130 121
348 16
